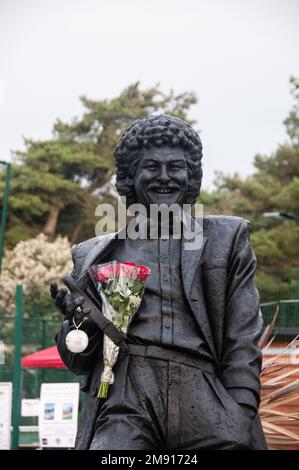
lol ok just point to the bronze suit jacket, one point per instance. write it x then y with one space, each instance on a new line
219 286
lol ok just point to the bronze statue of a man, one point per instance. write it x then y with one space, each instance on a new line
187 377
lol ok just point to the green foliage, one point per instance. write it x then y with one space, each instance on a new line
56 184
292 121
274 187
34 263
275 241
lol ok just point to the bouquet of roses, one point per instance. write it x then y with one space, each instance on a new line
121 288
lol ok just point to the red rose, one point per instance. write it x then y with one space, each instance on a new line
143 273
108 271
129 269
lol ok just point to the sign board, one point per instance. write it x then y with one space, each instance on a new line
58 414
30 407
5 414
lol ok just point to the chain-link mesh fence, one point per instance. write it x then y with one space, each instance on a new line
279 284
280 288
38 333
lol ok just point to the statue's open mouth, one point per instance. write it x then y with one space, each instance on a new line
163 190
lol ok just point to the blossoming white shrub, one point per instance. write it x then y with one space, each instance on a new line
34 263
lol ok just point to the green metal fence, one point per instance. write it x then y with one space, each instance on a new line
37 333
281 284
280 288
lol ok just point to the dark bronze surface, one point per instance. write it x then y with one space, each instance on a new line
191 378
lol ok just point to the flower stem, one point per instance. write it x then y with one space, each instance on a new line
103 390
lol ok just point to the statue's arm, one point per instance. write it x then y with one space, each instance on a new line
79 363
241 360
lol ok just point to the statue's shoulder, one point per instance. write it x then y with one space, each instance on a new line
80 250
221 224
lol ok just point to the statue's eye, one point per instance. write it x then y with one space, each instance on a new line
177 167
150 166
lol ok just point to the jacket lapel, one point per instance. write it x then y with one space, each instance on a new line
104 245
191 259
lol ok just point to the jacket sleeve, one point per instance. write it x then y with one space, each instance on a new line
79 363
241 359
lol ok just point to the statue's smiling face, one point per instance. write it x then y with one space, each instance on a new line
161 176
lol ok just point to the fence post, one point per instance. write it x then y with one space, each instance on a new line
17 367
43 346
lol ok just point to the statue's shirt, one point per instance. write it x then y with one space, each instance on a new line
164 317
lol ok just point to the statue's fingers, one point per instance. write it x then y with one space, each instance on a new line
75 304
53 289
74 308
82 315
79 301
67 301
60 297
87 311
71 284
61 294
66 306
79 314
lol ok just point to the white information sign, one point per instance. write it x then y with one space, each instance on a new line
5 414
30 406
58 415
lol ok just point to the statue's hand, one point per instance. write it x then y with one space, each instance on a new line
94 315
71 305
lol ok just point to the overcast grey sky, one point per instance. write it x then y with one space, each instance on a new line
236 55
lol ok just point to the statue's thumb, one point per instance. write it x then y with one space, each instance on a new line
70 283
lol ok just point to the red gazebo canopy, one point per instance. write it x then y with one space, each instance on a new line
46 358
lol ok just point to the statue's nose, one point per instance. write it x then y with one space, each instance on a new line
164 176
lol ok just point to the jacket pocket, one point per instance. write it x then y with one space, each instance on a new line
239 425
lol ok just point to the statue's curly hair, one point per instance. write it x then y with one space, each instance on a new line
157 130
